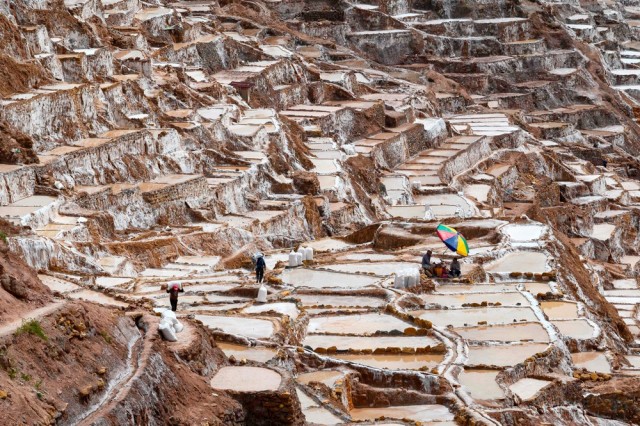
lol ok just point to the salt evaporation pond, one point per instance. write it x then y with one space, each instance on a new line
365 342
526 389
394 362
592 361
97 297
336 300
246 379
421 413
560 310
248 327
377 268
367 256
577 329
503 356
481 384
475 288
302 277
281 307
254 353
519 261
356 324
506 333
524 232
328 377
314 413
457 300
472 316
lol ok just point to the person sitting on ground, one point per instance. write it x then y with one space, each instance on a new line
438 269
173 295
445 271
455 268
261 265
426 263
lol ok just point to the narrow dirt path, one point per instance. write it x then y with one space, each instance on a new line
139 352
12 326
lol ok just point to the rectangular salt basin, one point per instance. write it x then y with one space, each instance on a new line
335 300
481 384
471 316
519 261
577 329
303 277
394 362
248 327
421 413
457 300
475 288
506 333
592 361
377 268
363 342
560 310
356 324
526 389
503 356
257 353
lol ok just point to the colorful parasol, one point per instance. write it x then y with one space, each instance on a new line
453 239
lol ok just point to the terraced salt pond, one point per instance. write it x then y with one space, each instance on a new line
394 362
560 310
303 277
328 377
481 384
506 333
314 413
457 300
421 413
246 379
377 268
356 324
577 329
592 361
248 327
526 389
519 261
255 353
335 300
472 316
524 232
367 342
284 308
504 355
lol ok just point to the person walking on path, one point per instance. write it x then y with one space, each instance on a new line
173 295
261 265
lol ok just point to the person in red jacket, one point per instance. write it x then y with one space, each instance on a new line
173 296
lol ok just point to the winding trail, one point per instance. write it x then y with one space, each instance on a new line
12 326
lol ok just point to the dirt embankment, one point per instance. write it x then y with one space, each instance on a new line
86 362
20 288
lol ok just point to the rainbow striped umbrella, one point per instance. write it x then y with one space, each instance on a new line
453 239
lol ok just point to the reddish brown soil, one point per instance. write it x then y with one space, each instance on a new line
24 293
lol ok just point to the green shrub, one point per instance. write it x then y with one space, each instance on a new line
31 326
